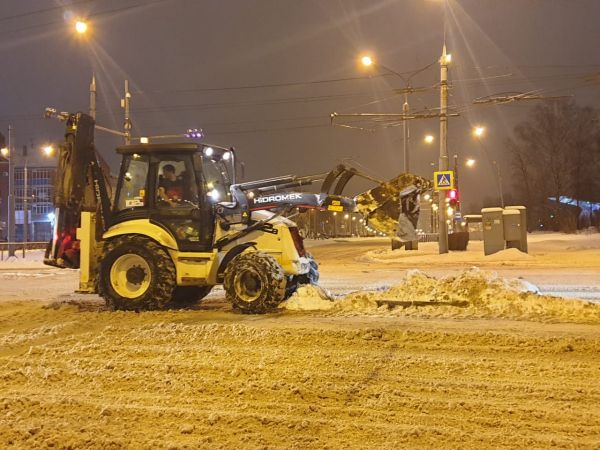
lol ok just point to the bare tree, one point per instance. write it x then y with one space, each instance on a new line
552 156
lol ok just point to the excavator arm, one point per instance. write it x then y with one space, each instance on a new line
381 206
80 185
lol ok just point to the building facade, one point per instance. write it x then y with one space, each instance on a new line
34 210
3 198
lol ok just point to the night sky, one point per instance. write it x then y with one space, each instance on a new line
264 75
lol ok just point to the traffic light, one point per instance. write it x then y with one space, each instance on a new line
452 197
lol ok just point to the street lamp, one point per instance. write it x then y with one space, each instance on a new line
429 139
368 61
7 153
48 150
81 27
478 132
470 162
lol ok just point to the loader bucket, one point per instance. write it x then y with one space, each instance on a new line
381 205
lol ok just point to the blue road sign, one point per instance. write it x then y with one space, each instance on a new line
443 180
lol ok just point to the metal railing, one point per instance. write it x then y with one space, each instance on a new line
428 237
19 247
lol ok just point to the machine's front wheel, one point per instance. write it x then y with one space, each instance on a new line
254 283
136 274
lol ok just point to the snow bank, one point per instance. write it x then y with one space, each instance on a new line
34 259
308 298
510 254
473 293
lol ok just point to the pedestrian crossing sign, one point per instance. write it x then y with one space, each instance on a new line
444 180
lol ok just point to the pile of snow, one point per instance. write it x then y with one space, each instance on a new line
308 298
473 293
510 254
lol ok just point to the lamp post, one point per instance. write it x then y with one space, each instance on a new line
368 61
479 132
25 206
10 236
443 161
499 176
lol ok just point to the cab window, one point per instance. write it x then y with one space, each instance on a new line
133 188
215 178
175 185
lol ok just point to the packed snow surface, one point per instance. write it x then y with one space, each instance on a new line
370 369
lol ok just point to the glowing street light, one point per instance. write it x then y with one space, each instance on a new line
4 152
81 27
429 139
48 150
366 61
470 162
478 131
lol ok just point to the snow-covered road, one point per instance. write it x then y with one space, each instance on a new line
558 264
508 370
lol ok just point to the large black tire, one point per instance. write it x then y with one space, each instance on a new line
254 283
136 274
311 277
189 295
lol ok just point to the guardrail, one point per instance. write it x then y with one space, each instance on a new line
21 247
428 237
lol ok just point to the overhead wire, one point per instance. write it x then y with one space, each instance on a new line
257 86
104 13
42 11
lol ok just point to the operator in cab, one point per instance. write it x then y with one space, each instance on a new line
170 186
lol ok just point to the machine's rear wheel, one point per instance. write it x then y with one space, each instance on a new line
136 274
189 295
254 283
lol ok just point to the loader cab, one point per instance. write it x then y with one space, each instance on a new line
176 187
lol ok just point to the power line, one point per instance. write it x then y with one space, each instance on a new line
42 11
265 130
260 86
104 13
275 101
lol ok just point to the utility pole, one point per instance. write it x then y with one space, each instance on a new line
405 111
11 196
456 182
443 162
127 107
93 97
25 206
499 175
